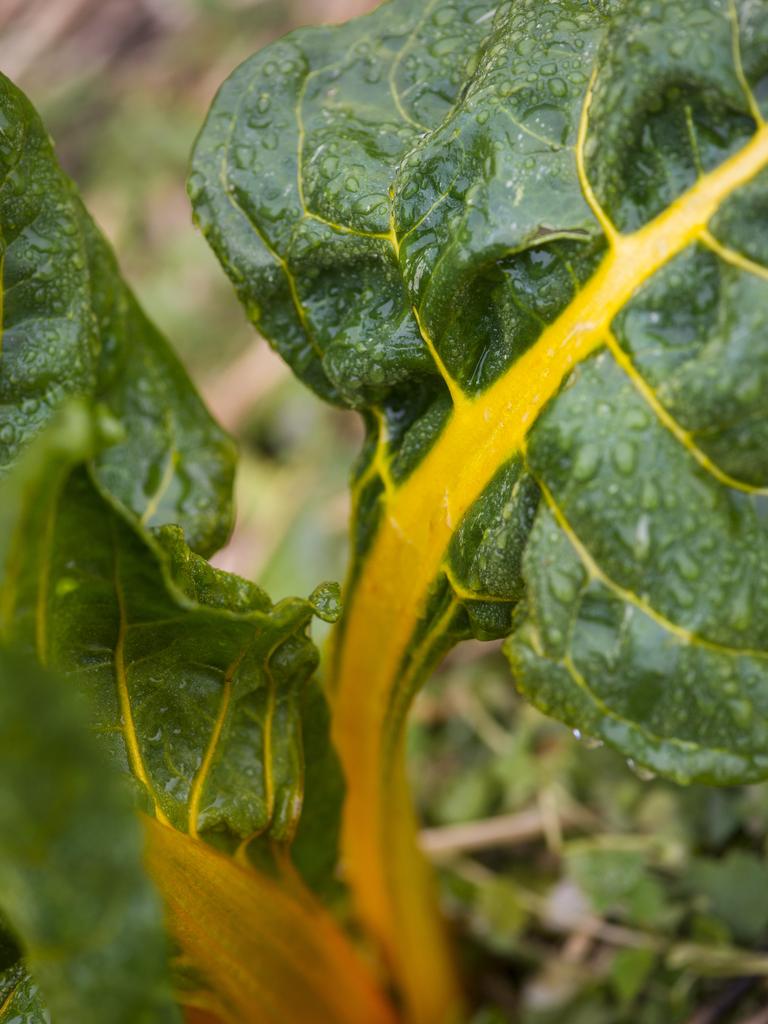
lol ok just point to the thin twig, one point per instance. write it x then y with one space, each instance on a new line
552 820
504 830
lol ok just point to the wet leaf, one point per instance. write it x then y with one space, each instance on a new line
194 676
73 329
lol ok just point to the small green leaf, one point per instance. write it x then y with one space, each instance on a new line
501 912
618 881
737 890
490 1016
630 971
71 878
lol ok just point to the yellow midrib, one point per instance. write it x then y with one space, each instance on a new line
6 1003
418 522
204 771
128 725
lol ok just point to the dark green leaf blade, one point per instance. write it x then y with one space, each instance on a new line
427 248
644 571
174 465
194 676
291 179
72 328
531 289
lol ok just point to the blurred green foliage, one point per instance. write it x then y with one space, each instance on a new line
637 902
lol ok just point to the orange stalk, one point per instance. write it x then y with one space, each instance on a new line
269 952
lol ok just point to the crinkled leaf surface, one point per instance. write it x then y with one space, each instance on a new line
528 239
195 678
71 327
71 875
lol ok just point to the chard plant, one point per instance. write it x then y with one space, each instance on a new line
528 242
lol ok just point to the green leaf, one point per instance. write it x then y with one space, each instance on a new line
174 465
72 328
737 889
194 676
291 179
526 239
630 971
71 876
33 485
489 1016
618 881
